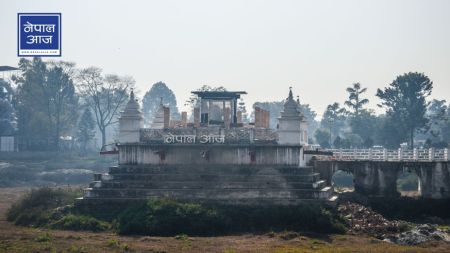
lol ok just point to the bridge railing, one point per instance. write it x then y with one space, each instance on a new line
400 154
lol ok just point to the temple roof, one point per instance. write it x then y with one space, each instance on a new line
218 94
291 107
132 108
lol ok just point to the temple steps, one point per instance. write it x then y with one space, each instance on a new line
233 184
237 170
209 193
252 201
204 185
215 177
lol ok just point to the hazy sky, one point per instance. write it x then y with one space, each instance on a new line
263 47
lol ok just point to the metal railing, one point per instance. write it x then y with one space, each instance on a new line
400 154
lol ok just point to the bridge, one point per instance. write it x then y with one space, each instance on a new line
375 171
400 154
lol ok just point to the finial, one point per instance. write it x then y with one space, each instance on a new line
131 94
291 97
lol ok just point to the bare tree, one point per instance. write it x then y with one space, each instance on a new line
105 95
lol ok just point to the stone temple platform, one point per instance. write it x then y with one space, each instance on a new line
237 184
212 161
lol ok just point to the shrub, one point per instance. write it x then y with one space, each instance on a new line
76 222
35 208
168 218
43 238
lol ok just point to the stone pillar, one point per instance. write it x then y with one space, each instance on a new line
239 117
257 117
197 117
234 111
184 118
166 117
384 154
415 155
446 156
266 119
226 117
326 170
431 154
400 154
376 178
262 118
370 154
435 179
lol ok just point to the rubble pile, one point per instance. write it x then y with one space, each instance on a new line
362 219
419 234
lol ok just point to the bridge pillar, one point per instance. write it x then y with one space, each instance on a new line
379 178
376 178
435 180
326 170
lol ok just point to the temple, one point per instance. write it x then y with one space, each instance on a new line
213 158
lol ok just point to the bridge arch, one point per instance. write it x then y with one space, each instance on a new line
343 180
409 183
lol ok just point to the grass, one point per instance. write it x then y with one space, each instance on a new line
15 239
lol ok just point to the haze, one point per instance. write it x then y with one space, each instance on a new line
262 47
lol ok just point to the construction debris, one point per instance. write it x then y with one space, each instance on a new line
363 220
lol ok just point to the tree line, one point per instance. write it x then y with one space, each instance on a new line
409 115
52 103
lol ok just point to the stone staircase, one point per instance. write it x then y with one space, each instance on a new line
242 184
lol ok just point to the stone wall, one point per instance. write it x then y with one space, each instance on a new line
193 154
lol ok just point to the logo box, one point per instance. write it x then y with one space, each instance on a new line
38 34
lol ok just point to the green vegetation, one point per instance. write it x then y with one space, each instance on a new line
53 208
38 207
80 222
43 238
167 217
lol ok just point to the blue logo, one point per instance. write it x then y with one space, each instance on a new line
39 34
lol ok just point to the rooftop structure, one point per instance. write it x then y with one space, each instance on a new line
216 107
